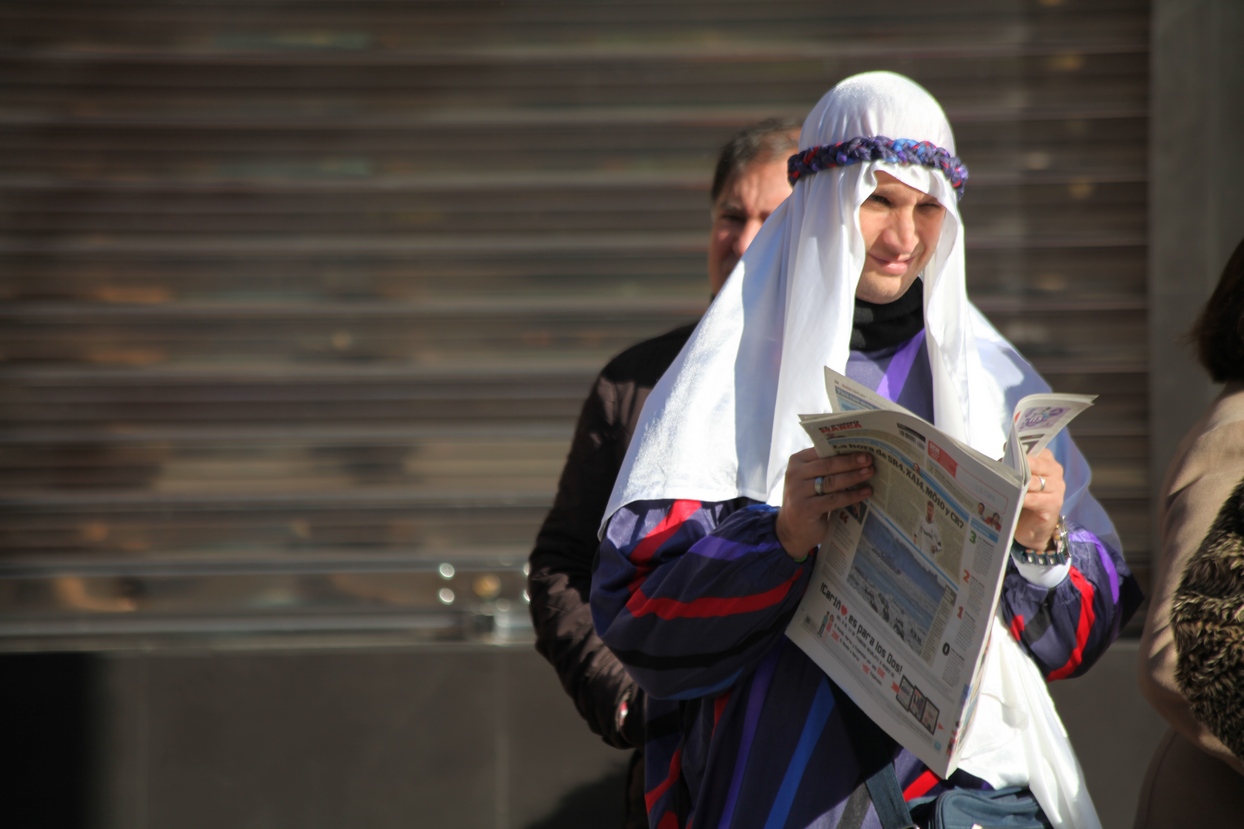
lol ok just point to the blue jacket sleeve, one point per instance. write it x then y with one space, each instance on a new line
692 595
1068 627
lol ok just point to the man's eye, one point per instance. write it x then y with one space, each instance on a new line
732 217
879 200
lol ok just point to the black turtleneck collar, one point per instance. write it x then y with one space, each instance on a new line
882 326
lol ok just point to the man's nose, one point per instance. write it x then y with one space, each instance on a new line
901 232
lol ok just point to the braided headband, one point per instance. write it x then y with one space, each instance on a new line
878 148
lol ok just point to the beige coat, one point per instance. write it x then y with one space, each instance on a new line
1193 779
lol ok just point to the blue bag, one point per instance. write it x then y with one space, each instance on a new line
1011 808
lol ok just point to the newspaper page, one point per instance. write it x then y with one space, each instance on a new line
1038 419
898 610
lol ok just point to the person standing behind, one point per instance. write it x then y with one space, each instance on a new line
1193 778
748 184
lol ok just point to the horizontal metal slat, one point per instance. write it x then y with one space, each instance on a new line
257 201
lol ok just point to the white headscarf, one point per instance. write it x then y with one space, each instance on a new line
723 422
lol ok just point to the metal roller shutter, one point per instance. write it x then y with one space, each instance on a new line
301 298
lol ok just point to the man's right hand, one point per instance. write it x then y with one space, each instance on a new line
803 518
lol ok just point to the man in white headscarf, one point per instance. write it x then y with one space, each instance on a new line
711 532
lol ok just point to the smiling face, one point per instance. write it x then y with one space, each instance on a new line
901 226
741 208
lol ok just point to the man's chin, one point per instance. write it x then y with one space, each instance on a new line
879 290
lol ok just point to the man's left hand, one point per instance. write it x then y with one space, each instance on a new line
1043 504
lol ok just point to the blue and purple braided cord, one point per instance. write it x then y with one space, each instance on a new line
878 148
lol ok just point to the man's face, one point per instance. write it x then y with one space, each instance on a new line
901 226
929 514
742 207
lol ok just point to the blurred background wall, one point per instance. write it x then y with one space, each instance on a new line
301 298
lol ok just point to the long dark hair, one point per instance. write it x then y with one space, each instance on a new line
1219 331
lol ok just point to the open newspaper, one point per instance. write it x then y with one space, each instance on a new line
898 611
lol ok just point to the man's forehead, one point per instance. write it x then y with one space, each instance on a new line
754 181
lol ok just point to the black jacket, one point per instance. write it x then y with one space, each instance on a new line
561 563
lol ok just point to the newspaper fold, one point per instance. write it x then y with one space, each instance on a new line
898 611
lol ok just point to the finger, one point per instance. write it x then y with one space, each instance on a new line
1042 458
837 464
1038 518
821 488
1039 484
798 467
840 498
804 456
1042 513
831 484
1047 502
1045 464
1055 489
1049 481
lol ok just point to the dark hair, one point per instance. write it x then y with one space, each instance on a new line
1219 330
773 139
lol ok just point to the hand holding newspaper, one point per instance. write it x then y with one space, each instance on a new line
899 608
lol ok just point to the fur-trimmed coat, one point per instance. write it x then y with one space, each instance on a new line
1193 778
1207 617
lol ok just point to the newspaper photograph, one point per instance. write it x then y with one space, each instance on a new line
899 607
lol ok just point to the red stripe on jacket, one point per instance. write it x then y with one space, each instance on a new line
921 785
708 606
650 798
1083 629
658 535
640 557
1017 627
670 821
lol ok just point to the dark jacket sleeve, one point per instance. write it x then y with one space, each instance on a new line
561 573
560 579
1068 627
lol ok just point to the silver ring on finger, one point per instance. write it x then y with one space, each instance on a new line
1041 478
819 484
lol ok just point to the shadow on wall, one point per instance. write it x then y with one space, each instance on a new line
598 803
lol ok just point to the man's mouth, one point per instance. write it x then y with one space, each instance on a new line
891 267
